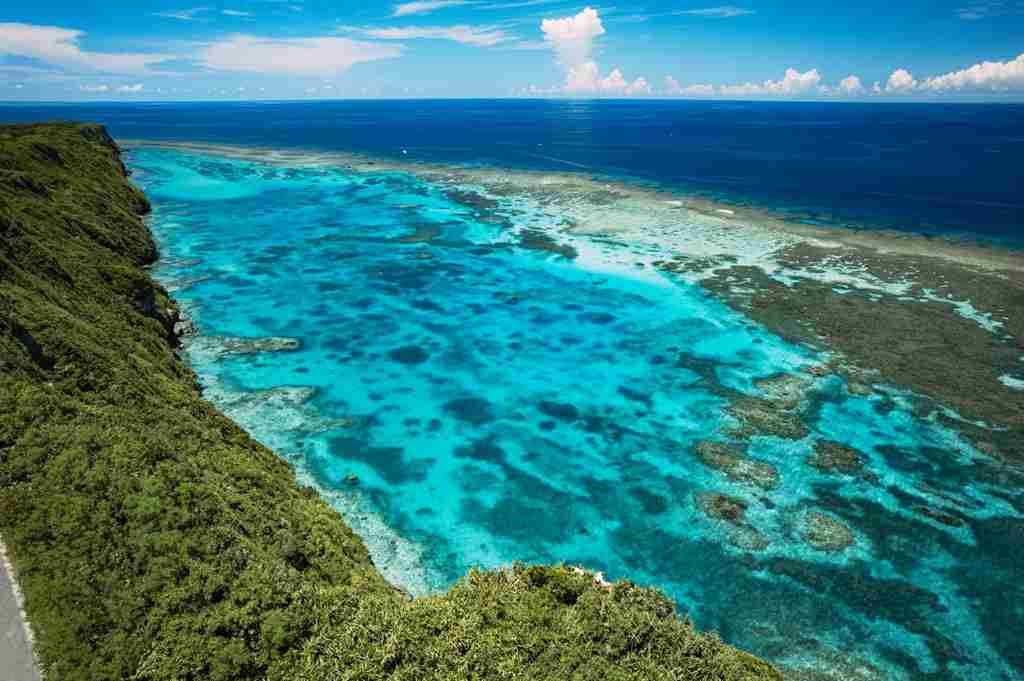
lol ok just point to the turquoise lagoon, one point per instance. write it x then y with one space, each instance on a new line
467 401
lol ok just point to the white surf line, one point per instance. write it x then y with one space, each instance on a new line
1011 382
966 310
27 667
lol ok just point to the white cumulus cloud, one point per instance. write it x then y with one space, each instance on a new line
94 88
851 86
572 39
640 86
676 89
586 78
987 76
793 83
137 87
900 81
318 56
59 47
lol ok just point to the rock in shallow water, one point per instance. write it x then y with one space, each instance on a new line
762 417
230 345
830 456
825 533
785 390
722 506
747 538
732 511
184 327
736 465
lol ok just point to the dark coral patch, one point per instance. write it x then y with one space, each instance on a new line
484 449
539 241
736 465
475 410
409 354
832 456
651 503
421 232
635 396
559 410
601 318
427 305
722 507
390 462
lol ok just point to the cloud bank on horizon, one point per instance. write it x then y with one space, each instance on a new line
572 39
274 49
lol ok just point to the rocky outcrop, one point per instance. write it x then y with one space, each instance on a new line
736 465
765 417
825 533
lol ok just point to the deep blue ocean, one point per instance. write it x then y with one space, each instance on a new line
466 397
934 168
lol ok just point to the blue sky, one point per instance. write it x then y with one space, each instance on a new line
286 49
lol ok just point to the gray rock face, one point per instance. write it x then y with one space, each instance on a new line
184 327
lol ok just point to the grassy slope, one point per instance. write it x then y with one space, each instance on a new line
155 539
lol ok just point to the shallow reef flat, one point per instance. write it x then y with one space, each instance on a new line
808 437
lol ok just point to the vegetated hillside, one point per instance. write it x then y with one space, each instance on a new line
154 539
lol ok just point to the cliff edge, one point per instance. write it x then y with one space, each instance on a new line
154 539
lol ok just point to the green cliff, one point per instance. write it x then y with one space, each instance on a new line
154 539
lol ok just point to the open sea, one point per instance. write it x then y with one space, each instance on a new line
933 168
467 401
